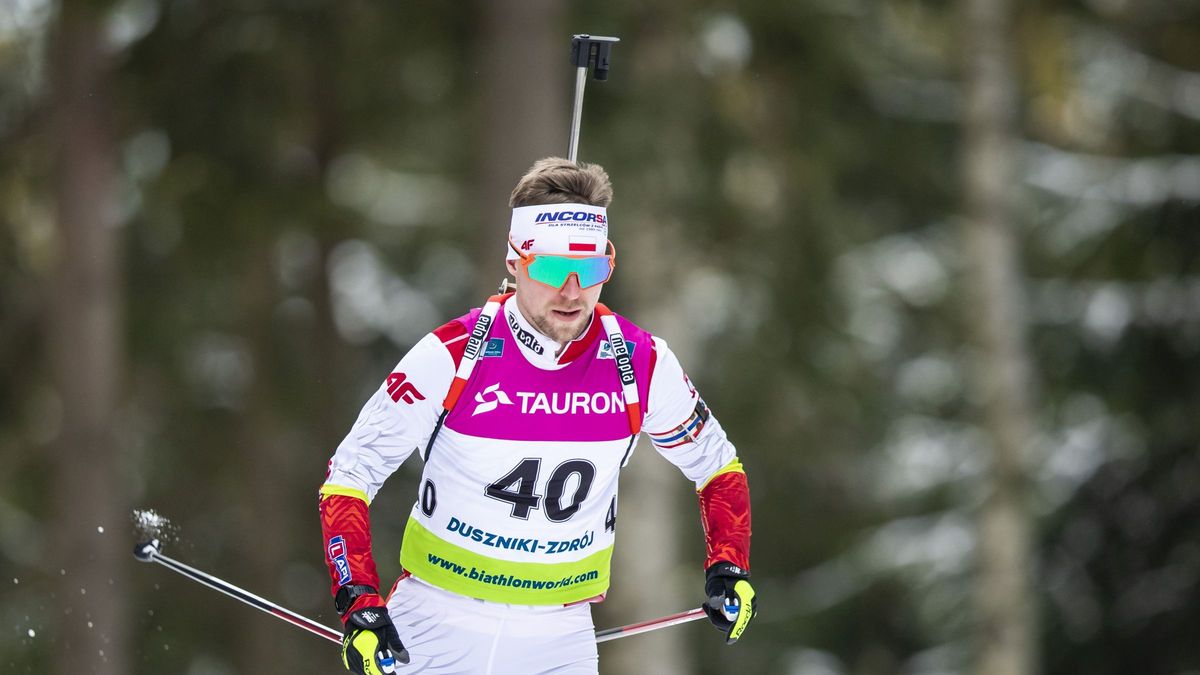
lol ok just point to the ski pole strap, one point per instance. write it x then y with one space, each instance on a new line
624 363
474 349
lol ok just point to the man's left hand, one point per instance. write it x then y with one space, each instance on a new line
731 604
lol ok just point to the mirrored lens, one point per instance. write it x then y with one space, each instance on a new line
554 270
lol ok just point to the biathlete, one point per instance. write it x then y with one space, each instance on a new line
524 412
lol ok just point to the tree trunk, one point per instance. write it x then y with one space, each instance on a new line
269 518
90 612
996 324
280 528
524 67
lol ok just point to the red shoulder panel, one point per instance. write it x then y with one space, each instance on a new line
454 338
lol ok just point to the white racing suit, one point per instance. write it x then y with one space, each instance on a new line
512 531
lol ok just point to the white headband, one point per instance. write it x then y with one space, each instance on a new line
561 229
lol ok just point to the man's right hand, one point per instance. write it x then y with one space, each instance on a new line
731 603
371 645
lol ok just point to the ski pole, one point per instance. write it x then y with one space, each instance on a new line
647 626
149 552
586 50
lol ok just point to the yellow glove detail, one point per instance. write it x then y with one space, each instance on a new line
745 593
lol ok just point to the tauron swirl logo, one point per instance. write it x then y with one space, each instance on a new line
487 404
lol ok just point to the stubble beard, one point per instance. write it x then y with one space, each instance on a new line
557 331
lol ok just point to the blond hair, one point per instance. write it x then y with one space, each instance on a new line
554 180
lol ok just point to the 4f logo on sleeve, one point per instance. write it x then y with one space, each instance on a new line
401 390
527 244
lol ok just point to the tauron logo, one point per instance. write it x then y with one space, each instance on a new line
400 390
488 404
571 402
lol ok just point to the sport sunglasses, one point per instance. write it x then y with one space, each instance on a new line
554 270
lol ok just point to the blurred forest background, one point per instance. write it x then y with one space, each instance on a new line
935 265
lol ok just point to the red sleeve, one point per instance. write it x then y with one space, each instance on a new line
347 532
725 513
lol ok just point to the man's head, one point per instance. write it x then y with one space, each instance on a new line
559 232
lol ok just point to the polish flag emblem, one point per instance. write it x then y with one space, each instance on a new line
582 244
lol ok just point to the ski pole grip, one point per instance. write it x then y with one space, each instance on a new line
593 50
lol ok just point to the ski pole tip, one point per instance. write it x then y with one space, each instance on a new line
146 550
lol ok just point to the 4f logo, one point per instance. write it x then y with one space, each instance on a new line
401 390
527 244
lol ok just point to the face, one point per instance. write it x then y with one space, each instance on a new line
560 314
